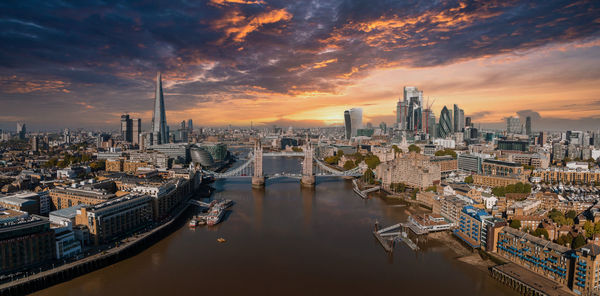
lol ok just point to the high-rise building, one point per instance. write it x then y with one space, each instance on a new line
352 121
513 125
528 125
21 130
131 129
126 127
136 131
159 118
409 112
445 127
468 121
347 124
190 125
458 124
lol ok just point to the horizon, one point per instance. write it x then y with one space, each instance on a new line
290 64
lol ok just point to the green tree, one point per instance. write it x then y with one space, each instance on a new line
564 239
541 232
578 242
368 177
597 228
446 151
469 179
414 148
588 226
98 165
372 161
431 188
398 187
516 224
397 150
349 165
340 153
571 214
413 194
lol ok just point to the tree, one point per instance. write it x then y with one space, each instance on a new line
446 151
516 224
368 177
349 165
564 239
297 149
398 187
413 194
431 188
414 148
589 229
541 232
597 228
578 242
469 179
372 161
98 165
396 149
571 214
340 153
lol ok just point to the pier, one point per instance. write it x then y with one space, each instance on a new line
387 239
364 193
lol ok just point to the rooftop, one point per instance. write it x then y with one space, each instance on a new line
69 213
537 240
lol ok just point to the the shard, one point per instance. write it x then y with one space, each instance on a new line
159 119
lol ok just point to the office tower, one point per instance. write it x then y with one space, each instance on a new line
445 128
347 124
431 126
383 127
513 125
528 125
183 132
191 126
409 112
159 118
136 131
352 121
34 141
458 124
126 128
468 121
21 130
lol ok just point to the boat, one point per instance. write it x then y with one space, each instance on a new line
193 223
221 240
215 215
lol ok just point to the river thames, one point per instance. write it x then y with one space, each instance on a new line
287 240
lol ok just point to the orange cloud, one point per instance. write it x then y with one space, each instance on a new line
323 64
18 85
237 26
226 2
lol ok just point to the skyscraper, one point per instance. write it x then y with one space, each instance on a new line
445 128
126 127
347 124
190 126
352 121
136 131
131 129
459 119
528 125
409 111
513 125
21 130
159 119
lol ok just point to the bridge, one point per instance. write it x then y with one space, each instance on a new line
311 167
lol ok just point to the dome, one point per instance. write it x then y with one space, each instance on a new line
201 156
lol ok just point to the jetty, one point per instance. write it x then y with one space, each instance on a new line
389 235
364 193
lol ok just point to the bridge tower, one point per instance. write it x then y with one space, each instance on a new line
308 174
258 179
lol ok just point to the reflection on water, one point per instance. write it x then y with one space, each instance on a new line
288 240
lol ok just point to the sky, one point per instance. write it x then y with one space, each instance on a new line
300 63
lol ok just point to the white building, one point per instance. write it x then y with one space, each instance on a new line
445 143
66 243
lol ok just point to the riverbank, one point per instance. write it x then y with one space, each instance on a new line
129 247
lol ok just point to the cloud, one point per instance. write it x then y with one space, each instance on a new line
248 50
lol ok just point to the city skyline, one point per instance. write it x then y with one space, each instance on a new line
232 62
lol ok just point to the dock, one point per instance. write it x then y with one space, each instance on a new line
364 193
387 238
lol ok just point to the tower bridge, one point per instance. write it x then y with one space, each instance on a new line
312 167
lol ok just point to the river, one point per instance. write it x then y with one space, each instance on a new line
287 240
